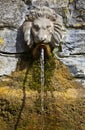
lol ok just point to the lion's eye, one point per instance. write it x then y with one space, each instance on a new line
36 27
48 26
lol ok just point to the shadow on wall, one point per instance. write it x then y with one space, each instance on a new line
21 46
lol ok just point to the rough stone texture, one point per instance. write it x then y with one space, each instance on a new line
12 41
54 3
7 65
73 52
12 13
80 4
73 49
76 14
58 5
12 16
74 42
77 66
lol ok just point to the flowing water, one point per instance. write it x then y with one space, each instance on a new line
42 87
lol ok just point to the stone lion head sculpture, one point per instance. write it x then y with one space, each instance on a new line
43 27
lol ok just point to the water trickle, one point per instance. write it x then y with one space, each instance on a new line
42 87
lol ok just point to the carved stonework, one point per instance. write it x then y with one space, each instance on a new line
43 26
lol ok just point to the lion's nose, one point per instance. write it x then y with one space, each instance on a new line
42 36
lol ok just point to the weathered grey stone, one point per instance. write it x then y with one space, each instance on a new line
12 16
73 52
83 15
12 13
7 65
76 17
74 42
76 65
11 41
57 3
27 1
80 4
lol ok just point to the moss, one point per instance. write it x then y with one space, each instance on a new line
58 113
66 10
77 25
71 1
1 40
83 24
20 98
57 76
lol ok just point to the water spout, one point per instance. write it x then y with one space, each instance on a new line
42 87
42 66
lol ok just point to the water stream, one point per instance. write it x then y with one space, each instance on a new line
42 87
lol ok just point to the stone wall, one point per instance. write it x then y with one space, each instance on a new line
73 54
12 16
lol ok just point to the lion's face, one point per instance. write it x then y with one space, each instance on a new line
43 26
42 30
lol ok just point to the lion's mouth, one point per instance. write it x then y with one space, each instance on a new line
37 50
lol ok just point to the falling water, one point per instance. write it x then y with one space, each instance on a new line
42 87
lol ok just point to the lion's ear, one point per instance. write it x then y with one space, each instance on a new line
27 33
